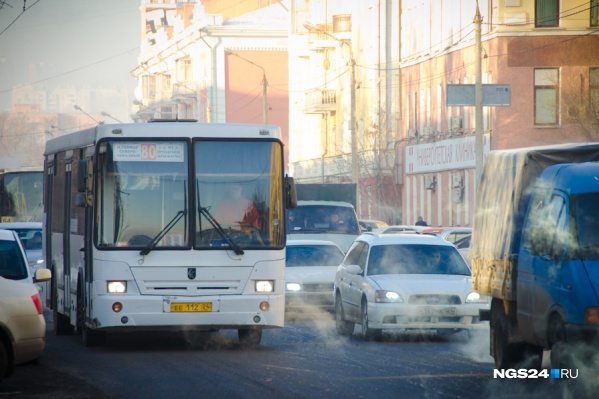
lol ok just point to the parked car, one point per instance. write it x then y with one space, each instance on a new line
451 234
22 324
404 282
372 225
309 275
463 246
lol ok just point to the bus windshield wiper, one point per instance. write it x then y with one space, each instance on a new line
221 231
152 244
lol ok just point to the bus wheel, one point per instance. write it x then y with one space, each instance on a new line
3 361
250 336
92 337
61 324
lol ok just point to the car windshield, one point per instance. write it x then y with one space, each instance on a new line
322 219
587 218
317 255
12 264
415 259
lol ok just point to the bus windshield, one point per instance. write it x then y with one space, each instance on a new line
147 200
239 199
21 196
143 186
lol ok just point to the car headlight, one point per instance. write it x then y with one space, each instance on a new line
265 286
475 297
293 287
117 287
387 296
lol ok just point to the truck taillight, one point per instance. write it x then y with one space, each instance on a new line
591 315
37 301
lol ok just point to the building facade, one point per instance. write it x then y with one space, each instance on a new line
216 62
376 94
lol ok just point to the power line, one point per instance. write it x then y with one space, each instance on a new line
18 16
72 71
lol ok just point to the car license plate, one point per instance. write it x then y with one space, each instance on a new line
433 311
191 307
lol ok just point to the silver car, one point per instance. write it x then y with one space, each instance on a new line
405 282
310 268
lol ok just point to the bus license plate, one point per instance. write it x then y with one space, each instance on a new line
191 307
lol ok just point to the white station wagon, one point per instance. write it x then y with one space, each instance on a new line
403 282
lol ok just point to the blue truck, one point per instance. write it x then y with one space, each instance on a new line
535 252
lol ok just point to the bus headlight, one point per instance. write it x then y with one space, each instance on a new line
117 287
265 286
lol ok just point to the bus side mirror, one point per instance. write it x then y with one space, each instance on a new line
85 168
291 192
81 175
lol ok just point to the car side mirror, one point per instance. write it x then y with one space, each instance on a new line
353 269
42 275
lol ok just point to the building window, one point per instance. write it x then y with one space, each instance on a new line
594 93
594 12
546 13
184 72
546 96
166 81
149 86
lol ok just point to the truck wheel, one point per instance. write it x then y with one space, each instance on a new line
560 353
344 327
505 354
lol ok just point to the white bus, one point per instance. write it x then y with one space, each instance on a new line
133 236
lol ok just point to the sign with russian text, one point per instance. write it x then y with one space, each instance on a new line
149 152
457 153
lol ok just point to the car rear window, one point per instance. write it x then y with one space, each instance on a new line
415 259
12 264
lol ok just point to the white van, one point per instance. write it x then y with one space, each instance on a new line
323 220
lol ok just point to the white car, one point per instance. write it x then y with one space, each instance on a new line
401 229
22 321
403 282
310 268
30 234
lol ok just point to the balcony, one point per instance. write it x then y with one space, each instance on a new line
320 101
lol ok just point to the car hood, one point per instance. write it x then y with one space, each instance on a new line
310 274
423 283
343 240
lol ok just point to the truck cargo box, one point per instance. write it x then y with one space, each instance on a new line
501 203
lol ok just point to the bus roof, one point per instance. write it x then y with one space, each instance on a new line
87 137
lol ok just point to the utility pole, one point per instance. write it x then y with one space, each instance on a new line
478 99
264 85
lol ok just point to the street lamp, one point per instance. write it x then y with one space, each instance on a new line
355 175
264 84
106 114
78 108
154 111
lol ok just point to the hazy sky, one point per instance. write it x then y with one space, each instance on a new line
68 43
